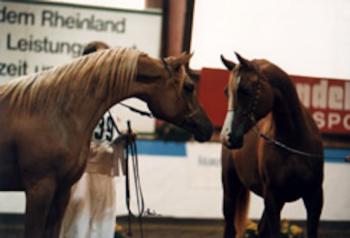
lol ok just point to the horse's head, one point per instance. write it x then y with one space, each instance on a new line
250 98
171 94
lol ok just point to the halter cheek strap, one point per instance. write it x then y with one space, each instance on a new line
253 105
166 66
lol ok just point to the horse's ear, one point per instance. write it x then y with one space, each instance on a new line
148 67
94 46
228 63
244 62
183 59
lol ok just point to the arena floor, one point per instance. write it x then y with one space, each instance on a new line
190 228
12 227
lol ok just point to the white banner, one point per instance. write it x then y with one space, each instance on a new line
189 186
37 36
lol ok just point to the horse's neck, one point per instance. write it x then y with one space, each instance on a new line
92 109
89 114
110 78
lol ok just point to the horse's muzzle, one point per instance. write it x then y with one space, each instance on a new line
202 137
204 132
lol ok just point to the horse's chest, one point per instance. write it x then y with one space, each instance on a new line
247 170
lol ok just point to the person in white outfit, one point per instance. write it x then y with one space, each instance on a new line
91 210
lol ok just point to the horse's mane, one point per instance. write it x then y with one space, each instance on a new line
87 76
279 80
287 103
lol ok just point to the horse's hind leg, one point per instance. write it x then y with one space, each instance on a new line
313 202
232 188
39 196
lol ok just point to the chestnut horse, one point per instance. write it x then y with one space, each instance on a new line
276 149
47 120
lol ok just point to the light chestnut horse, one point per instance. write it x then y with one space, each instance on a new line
272 147
47 120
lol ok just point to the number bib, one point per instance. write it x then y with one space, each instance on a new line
104 131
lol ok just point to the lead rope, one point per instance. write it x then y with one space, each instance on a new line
280 144
131 149
133 109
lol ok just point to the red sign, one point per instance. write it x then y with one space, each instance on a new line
211 94
327 99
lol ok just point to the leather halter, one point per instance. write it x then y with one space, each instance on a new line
252 106
250 110
167 68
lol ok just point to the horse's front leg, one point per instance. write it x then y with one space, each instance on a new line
270 223
39 195
235 200
229 208
313 202
56 213
263 225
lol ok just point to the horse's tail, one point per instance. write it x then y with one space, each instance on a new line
241 210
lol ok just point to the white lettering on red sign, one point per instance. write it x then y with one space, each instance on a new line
347 96
323 95
336 97
329 102
304 92
333 120
319 119
319 95
346 122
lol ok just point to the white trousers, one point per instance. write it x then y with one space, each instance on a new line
91 210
